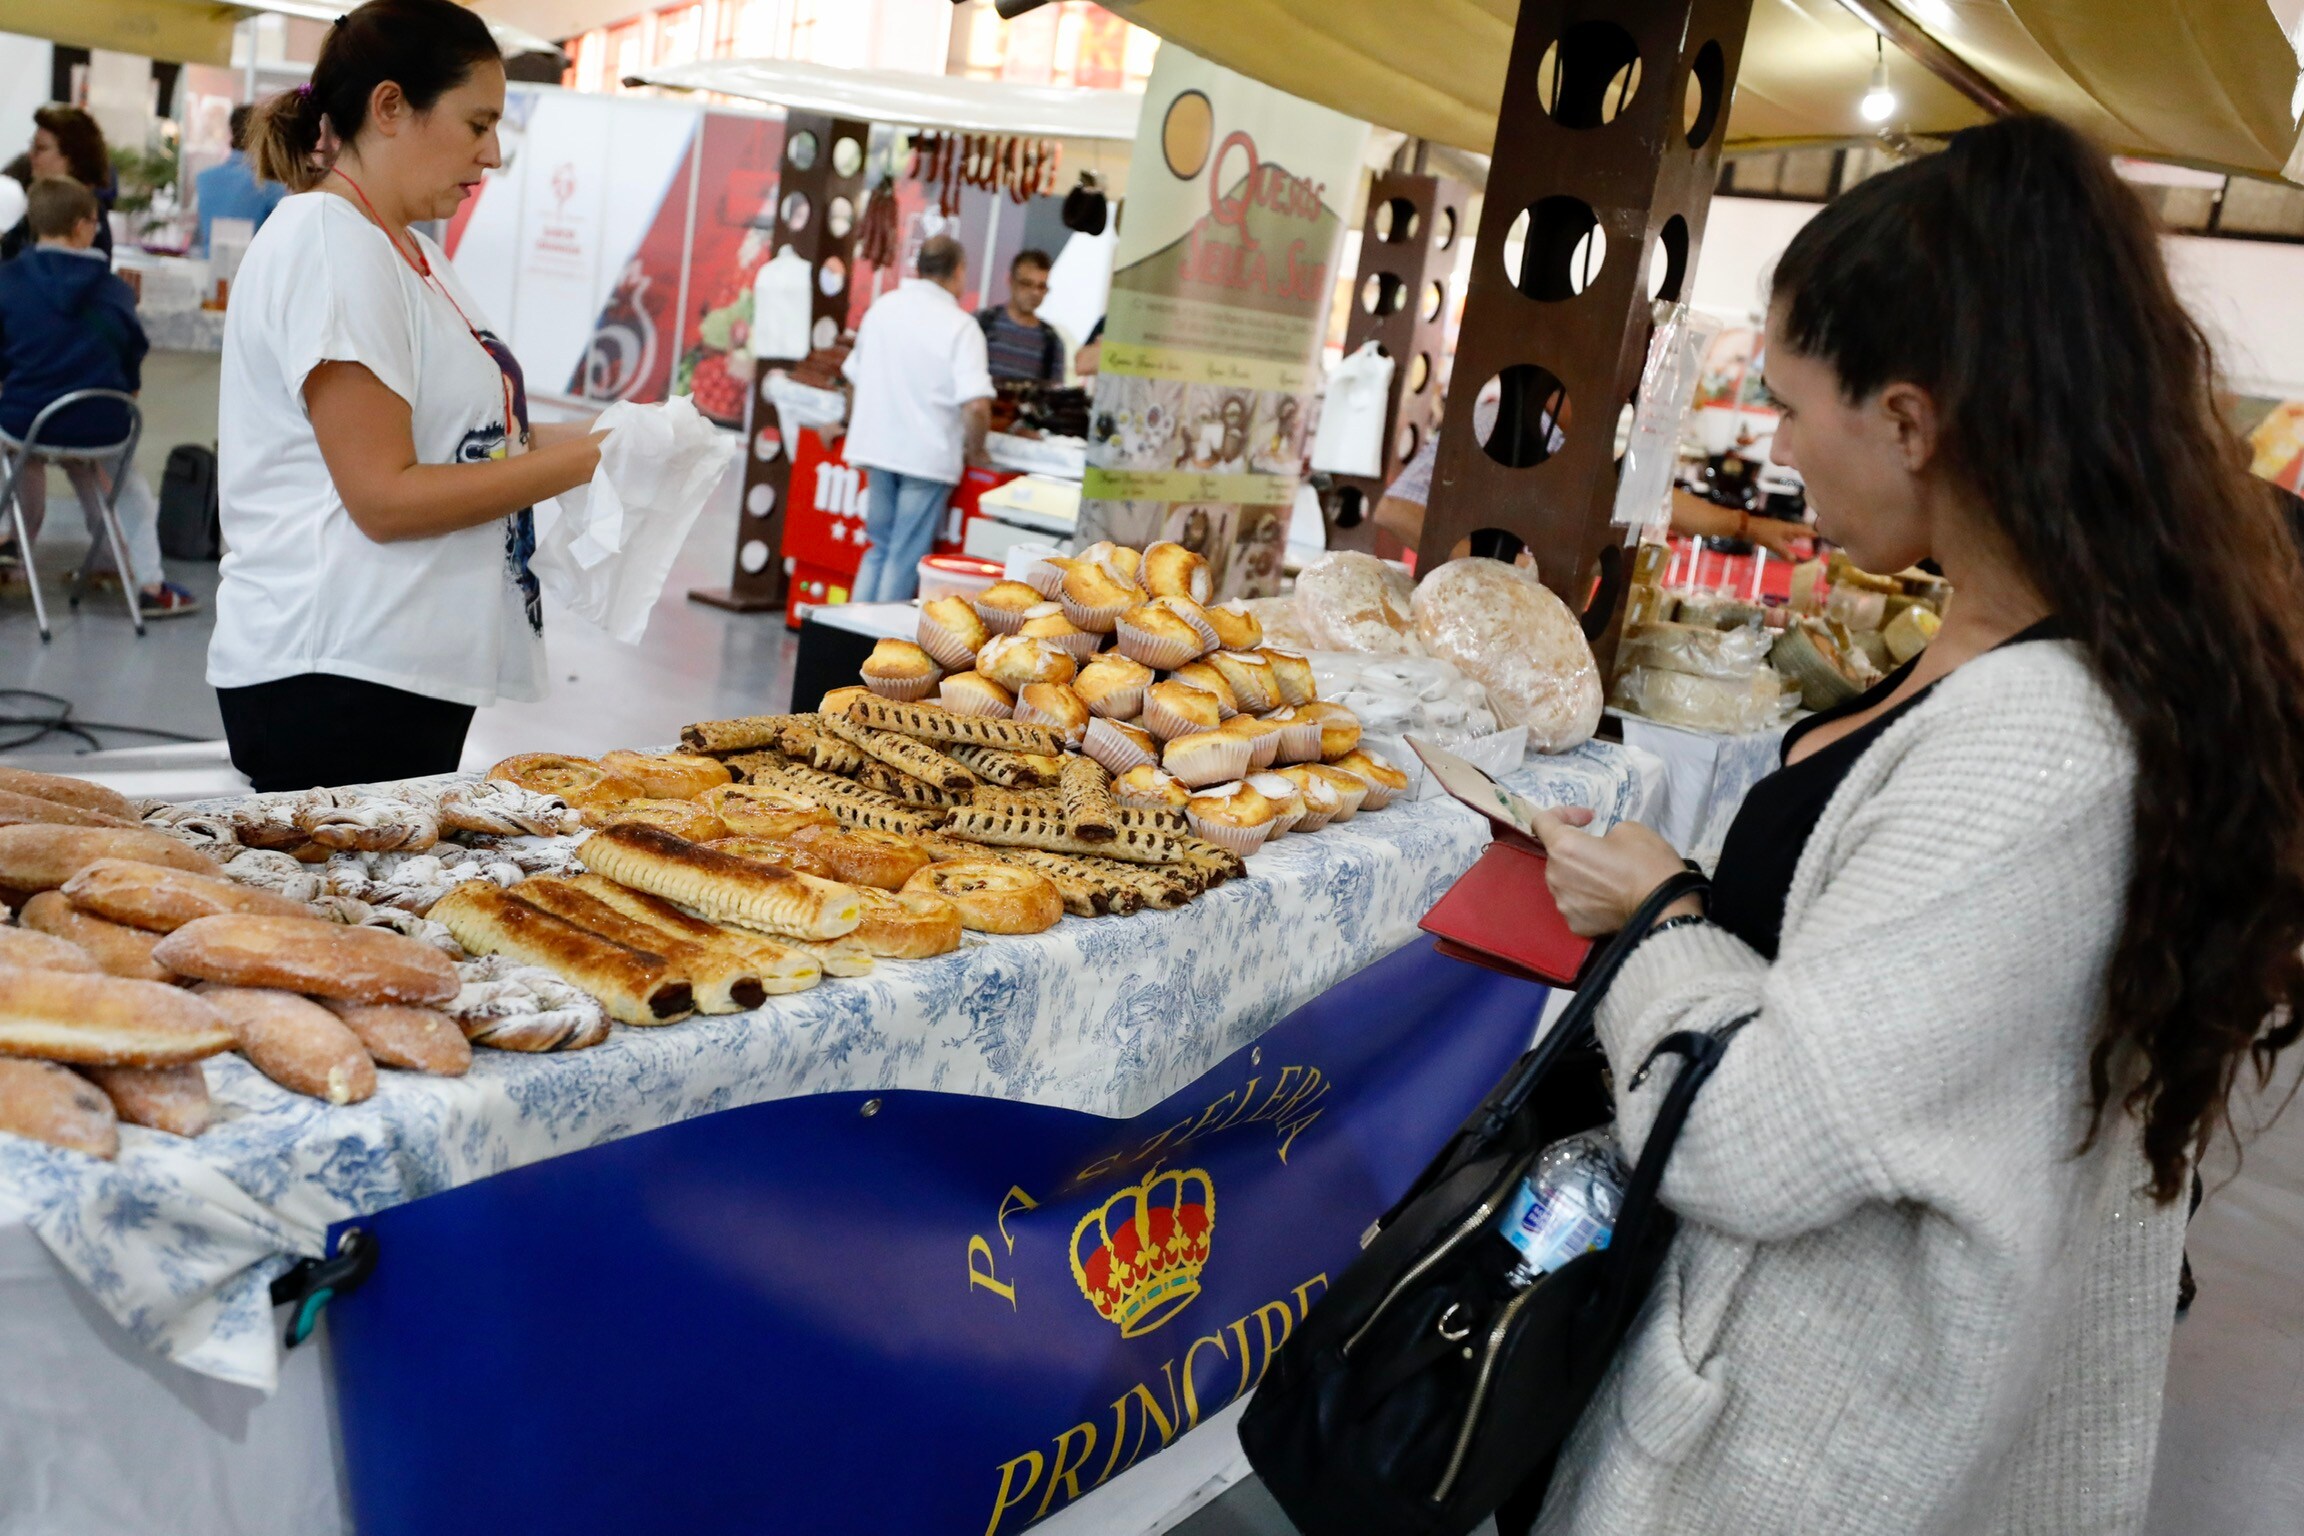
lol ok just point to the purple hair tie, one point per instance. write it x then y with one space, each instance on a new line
304 90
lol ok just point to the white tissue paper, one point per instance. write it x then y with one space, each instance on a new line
608 553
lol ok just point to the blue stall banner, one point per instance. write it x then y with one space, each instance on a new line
911 1311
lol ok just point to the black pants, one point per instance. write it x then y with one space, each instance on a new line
316 729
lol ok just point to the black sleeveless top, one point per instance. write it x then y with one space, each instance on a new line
1765 841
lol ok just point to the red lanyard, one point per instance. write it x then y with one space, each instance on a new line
422 267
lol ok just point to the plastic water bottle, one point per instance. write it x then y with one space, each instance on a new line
1567 1204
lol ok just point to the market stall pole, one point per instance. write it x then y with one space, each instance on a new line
819 193
1608 140
1399 301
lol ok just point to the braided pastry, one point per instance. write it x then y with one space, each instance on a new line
197 829
1088 807
511 1006
994 898
927 722
370 824
720 886
1019 828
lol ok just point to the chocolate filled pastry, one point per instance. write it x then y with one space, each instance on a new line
304 954
415 1039
719 738
41 858
1009 770
722 980
42 1101
578 780
994 898
942 728
1018 828
104 1021
164 900
905 755
172 1099
852 805
907 925
30 810
636 986
1089 809
69 791
682 818
118 949
720 886
762 810
370 824
295 1042
884 780
36 951
667 776
781 967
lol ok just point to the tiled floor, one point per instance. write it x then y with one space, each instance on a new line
2232 1450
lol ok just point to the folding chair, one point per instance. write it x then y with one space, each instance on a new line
23 453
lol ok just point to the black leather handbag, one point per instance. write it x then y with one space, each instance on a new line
1425 1392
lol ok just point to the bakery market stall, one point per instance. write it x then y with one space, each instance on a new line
987 1068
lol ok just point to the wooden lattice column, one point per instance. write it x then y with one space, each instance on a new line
1607 146
1399 300
819 197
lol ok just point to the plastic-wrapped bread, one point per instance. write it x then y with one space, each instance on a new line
1510 633
302 954
295 1042
722 887
41 858
172 1099
164 900
636 986
118 949
42 1101
1346 601
104 1021
396 1035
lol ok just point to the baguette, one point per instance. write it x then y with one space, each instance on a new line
720 979
41 1101
18 810
305 954
172 1099
718 738
720 886
103 1021
1020 828
164 900
79 792
904 755
118 949
419 1039
41 858
295 1042
1010 770
36 951
781 967
636 986
1089 809
930 723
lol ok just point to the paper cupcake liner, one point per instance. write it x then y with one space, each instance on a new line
1352 802
1113 749
901 690
1213 765
1299 741
1159 652
948 650
1379 796
1098 621
1240 840
1119 703
975 704
1263 750
1082 648
1303 690
1285 823
1197 617
1001 621
1045 577
1165 723
1314 821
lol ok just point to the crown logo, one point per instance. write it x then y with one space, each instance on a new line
1138 1256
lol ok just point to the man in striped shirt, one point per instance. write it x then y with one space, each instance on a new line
1019 343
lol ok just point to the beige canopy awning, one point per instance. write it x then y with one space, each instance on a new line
187 31
2209 83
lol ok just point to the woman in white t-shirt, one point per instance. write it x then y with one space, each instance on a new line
375 457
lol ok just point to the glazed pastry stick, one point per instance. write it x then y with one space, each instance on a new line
782 967
1088 807
905 755
929 723
722 887
1017 828
1011 770
724 982
636 986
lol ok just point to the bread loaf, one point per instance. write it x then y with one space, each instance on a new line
79 792
720 886
41 858
104 1021
172 1099
164 900
37 951
304 954
295 1042
30 810
117 948
45 1102
396 1035
636 986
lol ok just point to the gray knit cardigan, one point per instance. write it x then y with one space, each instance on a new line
1901 1300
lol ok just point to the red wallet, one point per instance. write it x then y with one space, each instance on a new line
1501 915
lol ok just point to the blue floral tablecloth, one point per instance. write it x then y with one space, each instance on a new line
180 1239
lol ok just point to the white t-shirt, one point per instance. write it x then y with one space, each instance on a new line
302 589
918 358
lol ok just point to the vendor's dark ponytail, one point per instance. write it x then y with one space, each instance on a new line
2016 278
426 47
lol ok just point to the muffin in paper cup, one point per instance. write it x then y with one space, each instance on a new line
972 693
1205 758
1240 840
1081 647
1113 688
1002 606
1263 738
1195 615
1313 821
1288 810
1098 620
1117 749
1164 722
1162 653
952 649
1149 789
1350 788
1299 739
1046 577
902 690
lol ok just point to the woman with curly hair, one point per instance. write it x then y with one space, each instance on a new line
2010 926
67 142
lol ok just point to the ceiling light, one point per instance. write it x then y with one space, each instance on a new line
1879 102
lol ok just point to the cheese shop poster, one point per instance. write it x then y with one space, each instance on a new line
907 1312
1221 288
